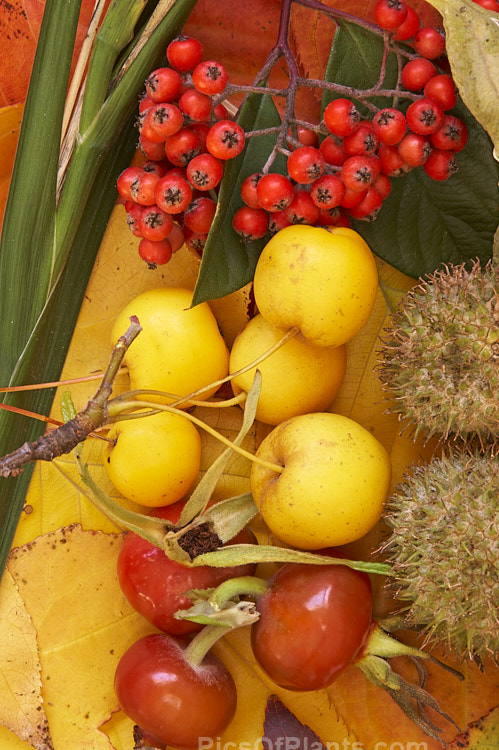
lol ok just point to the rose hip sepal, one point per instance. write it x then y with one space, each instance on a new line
155 585
176 691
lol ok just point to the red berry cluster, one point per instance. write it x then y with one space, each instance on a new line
171 198
349 173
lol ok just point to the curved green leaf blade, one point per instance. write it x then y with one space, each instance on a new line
229 263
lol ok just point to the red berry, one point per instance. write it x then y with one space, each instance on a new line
161 121
125 181
155 253
389 14
155 224
364 142
277 221
302 209
201 129
440 165
352 198
441 88
204 172
305 137
198 215
328 217
225 139
383 185
275 192
424 116
305 164
392 163
195 241
184 53
414 149
416 73
390 125
488 4
176 237
327 191
182 146
408 27
368 208
145 102
142 188
221 112
452 135
133 215
210 77
173 193
195 105
332 150
429 42
358 172
250 223
157 167
152 150
248 190
163 85
341 117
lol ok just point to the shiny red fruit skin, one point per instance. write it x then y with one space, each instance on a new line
313 622
169 698
155 585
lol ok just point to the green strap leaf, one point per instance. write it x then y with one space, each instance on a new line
27 247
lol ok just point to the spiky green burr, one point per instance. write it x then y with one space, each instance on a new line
440 355
444 551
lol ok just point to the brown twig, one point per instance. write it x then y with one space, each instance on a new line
66 437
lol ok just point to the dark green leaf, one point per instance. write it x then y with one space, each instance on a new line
29 222
229 263
424 222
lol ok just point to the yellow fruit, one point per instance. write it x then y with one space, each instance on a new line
296 379
179 349
335 480
155 459
324 281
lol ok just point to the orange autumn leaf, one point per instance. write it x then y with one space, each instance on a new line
21 707
20 23
10 122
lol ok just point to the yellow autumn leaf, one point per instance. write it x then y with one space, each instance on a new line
67 580
21 707
55 499
480 735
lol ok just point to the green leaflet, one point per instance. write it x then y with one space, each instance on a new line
423 223
229 263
